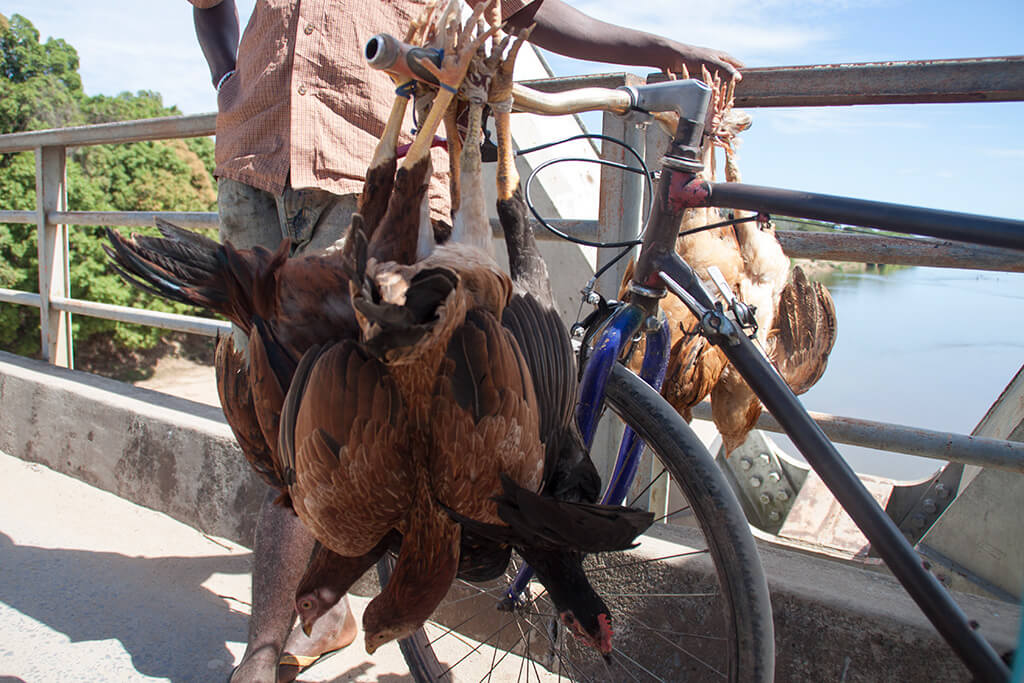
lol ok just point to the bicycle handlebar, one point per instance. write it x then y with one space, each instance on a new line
686 98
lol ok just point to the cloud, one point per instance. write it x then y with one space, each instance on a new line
754 30
834 119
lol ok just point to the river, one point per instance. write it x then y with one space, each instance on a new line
925 347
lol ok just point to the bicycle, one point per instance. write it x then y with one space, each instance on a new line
741 609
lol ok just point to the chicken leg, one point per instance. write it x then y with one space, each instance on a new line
396 239
471 223
380 176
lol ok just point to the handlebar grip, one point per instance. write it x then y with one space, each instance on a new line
387 53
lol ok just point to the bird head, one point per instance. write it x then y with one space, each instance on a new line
381 627
313 604
595 631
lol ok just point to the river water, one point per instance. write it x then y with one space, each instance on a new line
925 347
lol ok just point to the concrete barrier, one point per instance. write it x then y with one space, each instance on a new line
834 622
168 454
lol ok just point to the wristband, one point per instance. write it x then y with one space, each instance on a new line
223 78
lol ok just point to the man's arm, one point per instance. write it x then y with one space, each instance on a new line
567 31
217 30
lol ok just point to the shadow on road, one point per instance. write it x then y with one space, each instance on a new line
170 625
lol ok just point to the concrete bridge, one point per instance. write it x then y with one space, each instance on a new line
122 554
125 513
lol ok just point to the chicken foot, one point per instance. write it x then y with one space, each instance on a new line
471 221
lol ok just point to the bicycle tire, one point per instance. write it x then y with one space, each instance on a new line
746 609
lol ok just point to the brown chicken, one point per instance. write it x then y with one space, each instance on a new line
426 411
551 530
753 265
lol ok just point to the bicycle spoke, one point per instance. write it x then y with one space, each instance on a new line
488 639
677 646
635 563
653 481
561 656
623 667
672 514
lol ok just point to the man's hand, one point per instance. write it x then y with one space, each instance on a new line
563 29
695 58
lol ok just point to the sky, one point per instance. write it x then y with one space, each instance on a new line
913 154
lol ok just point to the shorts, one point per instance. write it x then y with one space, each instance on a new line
315 220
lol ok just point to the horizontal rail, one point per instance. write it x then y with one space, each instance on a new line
170 321
990 79
829 246
184 219
18 216
14 296
885 436
164 128
898 251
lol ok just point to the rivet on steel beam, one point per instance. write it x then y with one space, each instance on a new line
765 499
755 481
746 464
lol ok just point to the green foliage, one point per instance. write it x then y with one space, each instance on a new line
41 88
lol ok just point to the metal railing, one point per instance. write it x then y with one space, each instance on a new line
619 215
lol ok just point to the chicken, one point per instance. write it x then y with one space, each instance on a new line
553 529
754 267
429 407
330 575
281 306
796 319
472 413
553 536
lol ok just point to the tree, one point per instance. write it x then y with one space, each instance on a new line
41 88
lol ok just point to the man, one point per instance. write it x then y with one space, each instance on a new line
299 115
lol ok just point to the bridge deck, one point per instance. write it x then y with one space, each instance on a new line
95 588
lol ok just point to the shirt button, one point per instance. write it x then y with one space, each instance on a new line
302 90
308 29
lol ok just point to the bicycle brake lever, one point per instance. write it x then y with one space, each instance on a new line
744 313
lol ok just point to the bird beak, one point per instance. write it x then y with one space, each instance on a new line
307 629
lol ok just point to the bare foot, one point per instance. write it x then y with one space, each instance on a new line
333 631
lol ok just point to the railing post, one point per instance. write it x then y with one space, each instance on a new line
620 212
54 280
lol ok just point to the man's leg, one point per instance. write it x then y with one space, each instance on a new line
280 554
282 545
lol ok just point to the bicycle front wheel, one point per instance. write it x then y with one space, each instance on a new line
690 603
